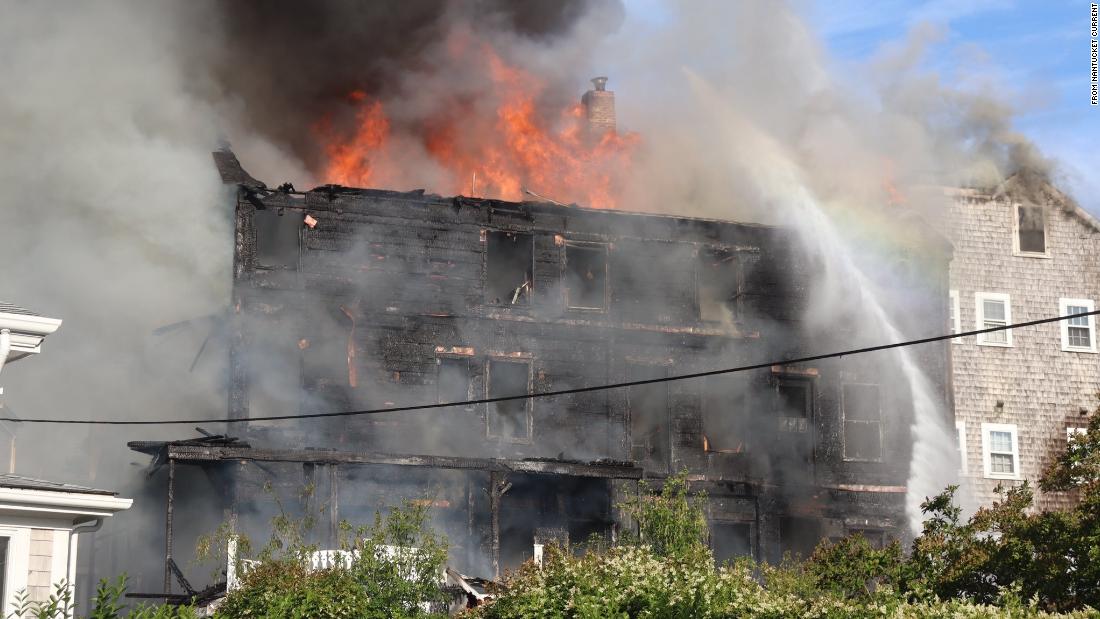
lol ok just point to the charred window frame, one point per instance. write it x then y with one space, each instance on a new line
585 275
509 420
720 285
452 381
509 264
794 404
861 408
1029 231
649 416
278 238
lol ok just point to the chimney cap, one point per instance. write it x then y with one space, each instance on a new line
599 82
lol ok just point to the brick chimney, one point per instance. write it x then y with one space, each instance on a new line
599 108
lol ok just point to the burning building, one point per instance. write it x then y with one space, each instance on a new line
351 305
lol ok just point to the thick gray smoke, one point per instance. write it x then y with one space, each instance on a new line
115 221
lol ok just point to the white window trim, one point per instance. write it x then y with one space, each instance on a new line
1001 427
979 315
956 324
960 433
1063 309
19 550
1016 234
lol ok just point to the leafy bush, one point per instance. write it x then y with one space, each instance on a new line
106 605
390 569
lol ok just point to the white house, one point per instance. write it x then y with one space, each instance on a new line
39 524
40 520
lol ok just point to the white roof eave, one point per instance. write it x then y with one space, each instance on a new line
75 504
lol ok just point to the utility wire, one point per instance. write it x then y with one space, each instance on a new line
559 392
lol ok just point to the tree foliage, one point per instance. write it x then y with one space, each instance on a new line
390 569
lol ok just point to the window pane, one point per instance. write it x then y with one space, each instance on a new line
1079 337
993 310
1001 463
1079 321
1000 441
996 337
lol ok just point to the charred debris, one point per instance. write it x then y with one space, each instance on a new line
351 299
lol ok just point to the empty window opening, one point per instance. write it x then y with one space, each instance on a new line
720 286
792 453
1078 333
453 382
993 310
508 268
648 409
277 238
798 536
793 405
1031 230
511 419
586 276
730 540
1001 451
862 422
725 414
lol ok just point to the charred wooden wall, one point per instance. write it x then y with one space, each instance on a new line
393 299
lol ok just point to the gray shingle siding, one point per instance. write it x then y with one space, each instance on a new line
1042 387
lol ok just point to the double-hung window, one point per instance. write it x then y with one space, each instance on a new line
1078 333
1001 451
993 310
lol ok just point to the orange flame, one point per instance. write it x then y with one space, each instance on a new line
507 147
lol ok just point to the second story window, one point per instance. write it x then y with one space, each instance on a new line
509 420
508 268
1001 451
648 409
862 422
1078 333
993 310
277 238
586 276
1031 237
453 382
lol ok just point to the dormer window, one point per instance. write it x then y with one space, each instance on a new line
1031 236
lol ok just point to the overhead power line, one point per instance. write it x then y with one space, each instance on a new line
559 392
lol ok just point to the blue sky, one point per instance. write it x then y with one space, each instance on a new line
1039 51
1035 53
